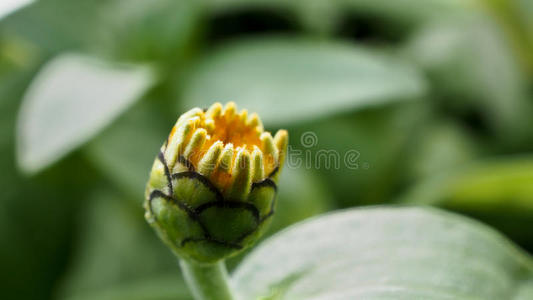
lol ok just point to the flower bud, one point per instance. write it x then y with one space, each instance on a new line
212 187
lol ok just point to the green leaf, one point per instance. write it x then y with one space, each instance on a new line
10 6
139 30
71 100
441 145
294 80
500 183
118 256
386 253
407 11
125 151
517 19
301 195
169 287
361 155
455 55
52 26
498 191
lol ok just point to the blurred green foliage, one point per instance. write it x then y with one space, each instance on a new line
435 97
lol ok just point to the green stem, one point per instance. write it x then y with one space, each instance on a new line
207 281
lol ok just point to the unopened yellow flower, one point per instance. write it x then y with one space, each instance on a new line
212 187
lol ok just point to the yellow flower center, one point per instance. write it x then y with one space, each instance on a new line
224 145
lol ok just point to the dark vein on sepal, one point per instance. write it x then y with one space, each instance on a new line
159 194
274 172
265 182
161 157
187 163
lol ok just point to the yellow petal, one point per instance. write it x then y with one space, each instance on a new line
209 161
257 167
242 178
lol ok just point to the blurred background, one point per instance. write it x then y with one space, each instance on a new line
433 98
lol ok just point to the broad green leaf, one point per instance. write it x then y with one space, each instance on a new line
125 151
55 25
496 184
498 191
70 100
455 54
301 195
9 6
287 81
441 145
34 244
517 18
361 156
36 220
156 30
386 253
169 287
407 11
118 256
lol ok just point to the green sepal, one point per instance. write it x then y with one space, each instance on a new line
197 222
263 197
230 223
194 189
